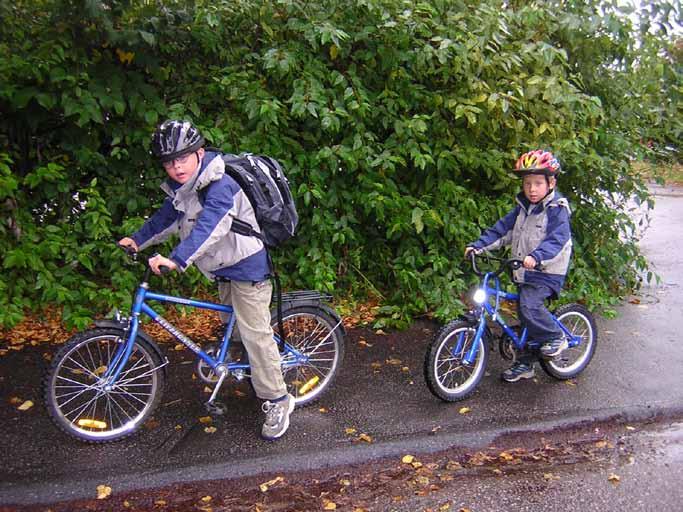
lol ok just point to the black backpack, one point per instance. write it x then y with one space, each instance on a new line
267 188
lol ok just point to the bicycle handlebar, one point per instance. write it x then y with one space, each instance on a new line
133 255
512 263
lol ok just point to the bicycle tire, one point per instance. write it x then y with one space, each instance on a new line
441 366
94 415
313 332
572 361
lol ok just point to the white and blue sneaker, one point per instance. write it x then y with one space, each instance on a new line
277 417
555 347
519 371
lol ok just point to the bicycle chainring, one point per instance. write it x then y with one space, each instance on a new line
507 349
204 370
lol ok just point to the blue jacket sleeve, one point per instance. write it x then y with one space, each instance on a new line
558 233
500 234
158 223
213 222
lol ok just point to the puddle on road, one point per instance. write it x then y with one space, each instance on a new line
671 439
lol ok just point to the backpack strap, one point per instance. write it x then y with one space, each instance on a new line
278 292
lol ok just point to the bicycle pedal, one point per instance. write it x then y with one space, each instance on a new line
216 408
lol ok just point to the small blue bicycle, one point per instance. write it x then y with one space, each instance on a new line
105 382
456 360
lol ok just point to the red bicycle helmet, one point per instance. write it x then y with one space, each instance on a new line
537 162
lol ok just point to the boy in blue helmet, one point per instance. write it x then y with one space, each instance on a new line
238 263
539 233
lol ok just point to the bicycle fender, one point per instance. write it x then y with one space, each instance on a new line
115 324
316 304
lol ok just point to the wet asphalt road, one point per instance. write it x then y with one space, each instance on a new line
636 372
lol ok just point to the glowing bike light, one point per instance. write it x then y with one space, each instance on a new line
479 296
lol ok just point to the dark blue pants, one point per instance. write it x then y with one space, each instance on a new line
535 317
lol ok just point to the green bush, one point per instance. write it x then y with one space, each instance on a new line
396 122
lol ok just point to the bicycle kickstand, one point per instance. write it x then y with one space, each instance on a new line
213 406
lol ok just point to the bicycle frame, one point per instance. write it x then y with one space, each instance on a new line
218 363
486 309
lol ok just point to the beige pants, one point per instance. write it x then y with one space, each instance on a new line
251 303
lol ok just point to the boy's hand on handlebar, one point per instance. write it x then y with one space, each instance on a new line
129 242
469 249
158 260
530 262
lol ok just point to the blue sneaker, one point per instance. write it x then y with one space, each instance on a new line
519 371
555 347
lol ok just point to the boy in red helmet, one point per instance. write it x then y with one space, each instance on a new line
538 231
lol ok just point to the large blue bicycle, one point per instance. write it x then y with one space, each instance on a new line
456 360
105 382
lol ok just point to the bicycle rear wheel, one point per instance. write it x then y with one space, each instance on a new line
448 377
75 394
572 361
314 352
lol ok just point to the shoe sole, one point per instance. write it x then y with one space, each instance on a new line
528 375
564 347
281 433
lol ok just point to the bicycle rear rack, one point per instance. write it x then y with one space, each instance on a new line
308 296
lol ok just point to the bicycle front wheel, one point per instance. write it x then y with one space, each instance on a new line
75 394
448 376
314 352
572 361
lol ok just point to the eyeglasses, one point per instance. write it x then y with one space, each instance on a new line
180 160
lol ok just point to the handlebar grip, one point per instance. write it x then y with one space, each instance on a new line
128 250
163 269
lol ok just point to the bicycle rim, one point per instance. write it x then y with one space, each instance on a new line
316 337
80 403
452 374
573 359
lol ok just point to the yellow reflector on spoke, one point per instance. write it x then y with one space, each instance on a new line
309 385
88 423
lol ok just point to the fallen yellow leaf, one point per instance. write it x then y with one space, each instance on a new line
407 459
179 347
345 483
550 476
206 499
205 419
464 410
416 464
161 503
615 479
349 431
323 410
270 483
25 406
506 456
330 505
103 492
365 437
394 361
126 504
210 430
629 427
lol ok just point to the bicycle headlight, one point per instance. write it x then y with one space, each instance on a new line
479 296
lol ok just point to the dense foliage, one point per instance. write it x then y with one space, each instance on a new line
396 120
